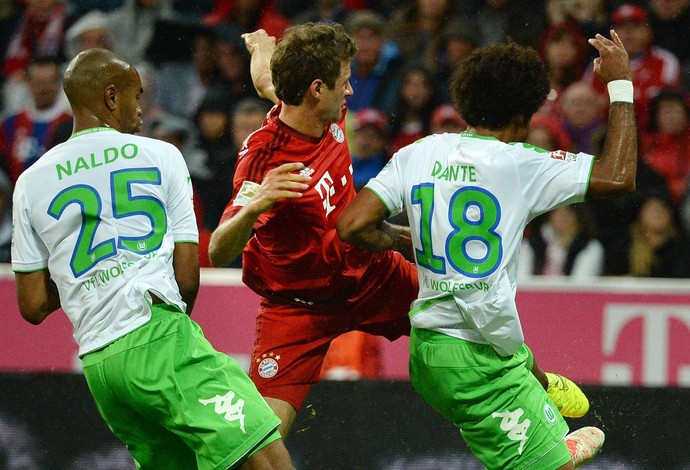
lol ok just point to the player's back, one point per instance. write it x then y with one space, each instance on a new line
98 211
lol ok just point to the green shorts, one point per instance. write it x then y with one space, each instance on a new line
503 412
176 402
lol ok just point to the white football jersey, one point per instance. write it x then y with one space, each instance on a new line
103 212
468 199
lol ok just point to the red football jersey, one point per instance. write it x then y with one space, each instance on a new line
295 254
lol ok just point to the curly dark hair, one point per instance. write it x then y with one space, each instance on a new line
498 83
307 52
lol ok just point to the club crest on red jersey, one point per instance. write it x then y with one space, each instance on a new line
338 133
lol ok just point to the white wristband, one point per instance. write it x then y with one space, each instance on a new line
620 90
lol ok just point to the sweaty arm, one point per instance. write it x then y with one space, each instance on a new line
231 236
186 267
37 295
362 223
613 174
260 45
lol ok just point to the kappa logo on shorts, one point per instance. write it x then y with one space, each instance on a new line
268 365
223 405
338 133
510 423
549 414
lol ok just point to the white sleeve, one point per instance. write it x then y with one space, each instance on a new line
553 179
590 261
389 184
29 253
181 202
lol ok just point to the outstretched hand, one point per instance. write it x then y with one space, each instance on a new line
280 183
612 63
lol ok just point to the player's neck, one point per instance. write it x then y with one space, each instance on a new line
89 121
516 131
302 120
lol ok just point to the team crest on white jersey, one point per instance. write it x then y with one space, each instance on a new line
267 365
338 133
224 406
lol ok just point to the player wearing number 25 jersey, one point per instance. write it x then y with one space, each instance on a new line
105 228
103 212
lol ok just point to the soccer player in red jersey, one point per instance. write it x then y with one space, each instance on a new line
292 181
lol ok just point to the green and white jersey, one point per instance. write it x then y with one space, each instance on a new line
468 199
102 212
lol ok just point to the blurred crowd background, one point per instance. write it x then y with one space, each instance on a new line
199 96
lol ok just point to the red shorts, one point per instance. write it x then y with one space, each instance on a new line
292 339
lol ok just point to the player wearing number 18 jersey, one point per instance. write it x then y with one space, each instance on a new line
468 198
105 229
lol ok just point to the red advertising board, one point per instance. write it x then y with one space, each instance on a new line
609 331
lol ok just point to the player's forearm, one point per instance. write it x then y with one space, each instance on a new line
230 238
37 296
260 70
614 173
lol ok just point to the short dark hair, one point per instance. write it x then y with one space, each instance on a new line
498 83
308 52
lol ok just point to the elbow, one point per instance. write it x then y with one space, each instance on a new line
32 314
344 230
215 252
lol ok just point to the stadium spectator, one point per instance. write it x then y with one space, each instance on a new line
592 16
248 15
522 21
89 31
459 37
548 134
376 64
415 27
370 145
190 79
416 100
564 245
5 217
666 144
323 11
39 34
654 246
156 380
582 109
467 352
652 67
133 24
313 287
25 135
232 64
670 20
446 119
563 48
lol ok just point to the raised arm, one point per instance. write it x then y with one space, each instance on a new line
37 295
260 45
613 174
230 238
